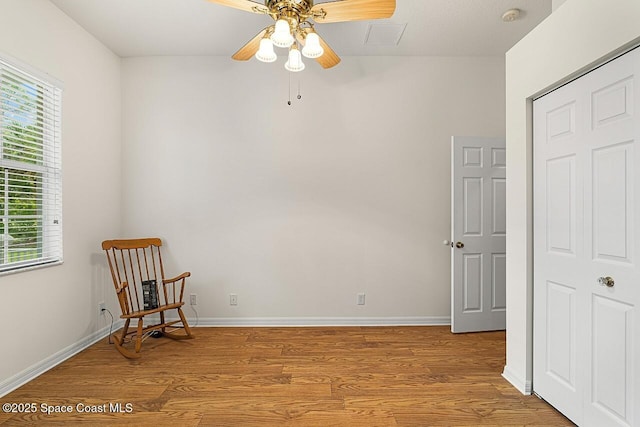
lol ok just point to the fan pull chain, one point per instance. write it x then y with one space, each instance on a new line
299 96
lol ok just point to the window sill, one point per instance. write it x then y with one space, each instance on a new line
30 268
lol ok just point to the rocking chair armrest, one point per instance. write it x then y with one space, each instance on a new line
175 279
181 279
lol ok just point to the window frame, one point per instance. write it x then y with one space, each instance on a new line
49 231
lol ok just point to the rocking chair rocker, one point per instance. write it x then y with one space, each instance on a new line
138 277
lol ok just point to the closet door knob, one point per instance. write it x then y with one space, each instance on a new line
606 281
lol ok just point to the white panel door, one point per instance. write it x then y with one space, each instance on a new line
586 243
559 255
478 221
612 237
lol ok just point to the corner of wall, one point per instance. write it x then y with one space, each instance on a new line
523 385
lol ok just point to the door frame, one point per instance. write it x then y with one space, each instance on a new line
528 386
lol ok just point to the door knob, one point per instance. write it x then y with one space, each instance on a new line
606 281
459 245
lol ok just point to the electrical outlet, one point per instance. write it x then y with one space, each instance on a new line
233 299
101 307
361 299
193 300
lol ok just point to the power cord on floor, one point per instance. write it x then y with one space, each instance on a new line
146 335
196 312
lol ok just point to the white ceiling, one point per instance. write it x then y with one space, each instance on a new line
198 27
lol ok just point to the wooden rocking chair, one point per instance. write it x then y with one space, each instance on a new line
138 277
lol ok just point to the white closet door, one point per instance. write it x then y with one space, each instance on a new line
586 246
612 219
559 253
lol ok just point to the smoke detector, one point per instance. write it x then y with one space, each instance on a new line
511 15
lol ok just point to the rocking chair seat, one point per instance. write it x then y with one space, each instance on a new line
137 314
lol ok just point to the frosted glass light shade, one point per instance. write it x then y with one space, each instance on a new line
281 36
266 53
294 64
312 48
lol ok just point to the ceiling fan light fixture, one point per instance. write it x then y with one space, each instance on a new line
281 36
266 53
294 21
312 48
294 64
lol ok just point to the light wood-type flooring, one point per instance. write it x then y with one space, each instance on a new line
320 376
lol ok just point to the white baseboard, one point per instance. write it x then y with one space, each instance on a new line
522 385
319 321
43 366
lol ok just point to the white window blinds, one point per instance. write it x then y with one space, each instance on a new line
30 170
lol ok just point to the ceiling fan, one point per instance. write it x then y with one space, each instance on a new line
293 27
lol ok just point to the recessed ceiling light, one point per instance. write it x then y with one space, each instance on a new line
511 15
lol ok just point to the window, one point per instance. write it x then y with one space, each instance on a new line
30 169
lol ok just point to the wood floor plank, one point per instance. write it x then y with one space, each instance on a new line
444 391
112 392
250 390
318 376
140 419
372 418
211 404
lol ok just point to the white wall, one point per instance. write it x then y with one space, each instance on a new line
298 208
555 4
577 36
47 310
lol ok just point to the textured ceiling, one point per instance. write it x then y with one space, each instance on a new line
198 27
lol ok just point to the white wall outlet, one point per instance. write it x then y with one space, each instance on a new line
101 307
193 299
233 299
361 299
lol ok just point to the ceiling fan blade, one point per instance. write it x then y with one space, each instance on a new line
352 10
329 58
247 51
246 5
